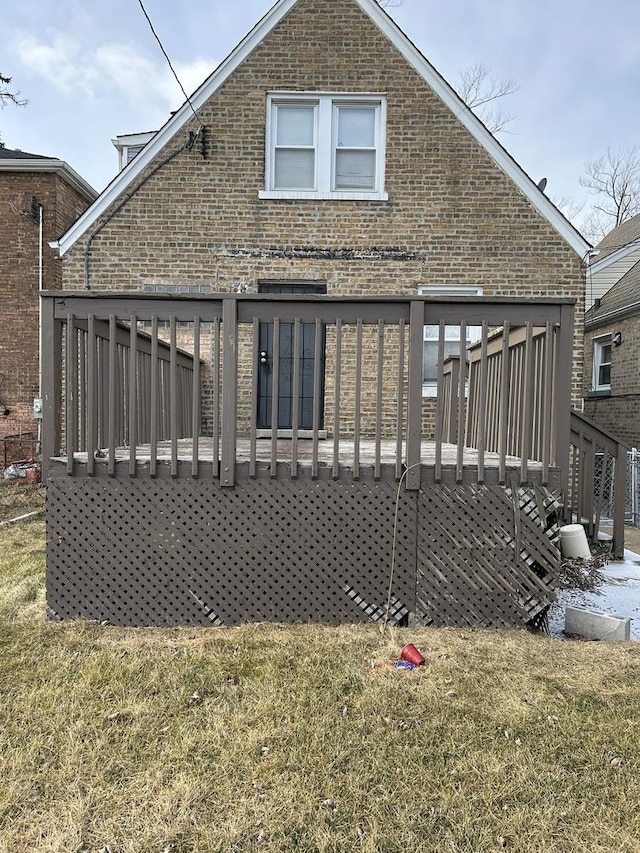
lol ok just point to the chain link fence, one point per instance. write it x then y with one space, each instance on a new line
603 485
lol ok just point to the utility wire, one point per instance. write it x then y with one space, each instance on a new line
166 56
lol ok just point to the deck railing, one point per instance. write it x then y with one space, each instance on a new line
131 369
592 449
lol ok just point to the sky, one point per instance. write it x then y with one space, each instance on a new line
92 70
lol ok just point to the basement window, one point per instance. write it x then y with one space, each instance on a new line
602 363
325 146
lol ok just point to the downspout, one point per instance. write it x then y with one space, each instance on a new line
40 347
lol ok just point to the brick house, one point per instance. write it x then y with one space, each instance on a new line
323 230
31 187
612 338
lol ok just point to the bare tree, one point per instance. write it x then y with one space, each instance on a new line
7 95
389 4
614 180
478 87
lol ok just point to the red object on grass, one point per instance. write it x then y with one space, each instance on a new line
411 654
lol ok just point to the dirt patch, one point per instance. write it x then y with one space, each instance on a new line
631 537
20 498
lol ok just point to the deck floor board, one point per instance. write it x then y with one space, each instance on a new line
284 447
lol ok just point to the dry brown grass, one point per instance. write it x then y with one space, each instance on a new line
269 738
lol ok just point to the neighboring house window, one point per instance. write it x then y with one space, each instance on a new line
602 363
431 336
325 146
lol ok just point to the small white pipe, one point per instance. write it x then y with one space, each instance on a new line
40 271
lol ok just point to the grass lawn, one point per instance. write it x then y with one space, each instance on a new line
271 738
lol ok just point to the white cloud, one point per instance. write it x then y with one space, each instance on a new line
60 62
112 70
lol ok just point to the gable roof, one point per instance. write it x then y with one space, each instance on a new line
622 300
401 42
617 244
14 160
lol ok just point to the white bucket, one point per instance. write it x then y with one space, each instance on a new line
573 541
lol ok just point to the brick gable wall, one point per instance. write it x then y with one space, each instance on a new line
452 218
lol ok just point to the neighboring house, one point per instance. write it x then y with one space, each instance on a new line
612 259
129 145
322 224
40 198
612 357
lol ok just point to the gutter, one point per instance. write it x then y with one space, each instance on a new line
616 314
54 166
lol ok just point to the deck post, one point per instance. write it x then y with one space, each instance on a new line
564 367
51 390
229 390
414 395
619 496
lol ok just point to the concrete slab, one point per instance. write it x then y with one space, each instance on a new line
595 625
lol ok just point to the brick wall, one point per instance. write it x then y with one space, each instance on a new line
19 278
452 218
618 413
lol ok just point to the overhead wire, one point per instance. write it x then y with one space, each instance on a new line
166 56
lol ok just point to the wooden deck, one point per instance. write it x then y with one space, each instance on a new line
324 449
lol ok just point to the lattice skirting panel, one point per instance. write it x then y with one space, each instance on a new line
487 555
145 551
183 551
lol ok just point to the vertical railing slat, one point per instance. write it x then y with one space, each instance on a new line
462 374
527 404
82 389
414 398
195 399
317 389
295 408
503 417
216 473
155 401
71 397
440 403
482 401
400 399
275 396
547 399
562 393
113 395
257 366
91 396
358 399
173 395
379 392
133 394
336 400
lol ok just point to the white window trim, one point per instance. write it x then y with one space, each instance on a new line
429 386
326 117
598 345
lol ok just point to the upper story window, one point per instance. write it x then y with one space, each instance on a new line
325 146
602 363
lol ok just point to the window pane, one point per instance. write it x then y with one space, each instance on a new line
605 353
430 358
356 127
355 170
294 169
604 374
295 126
